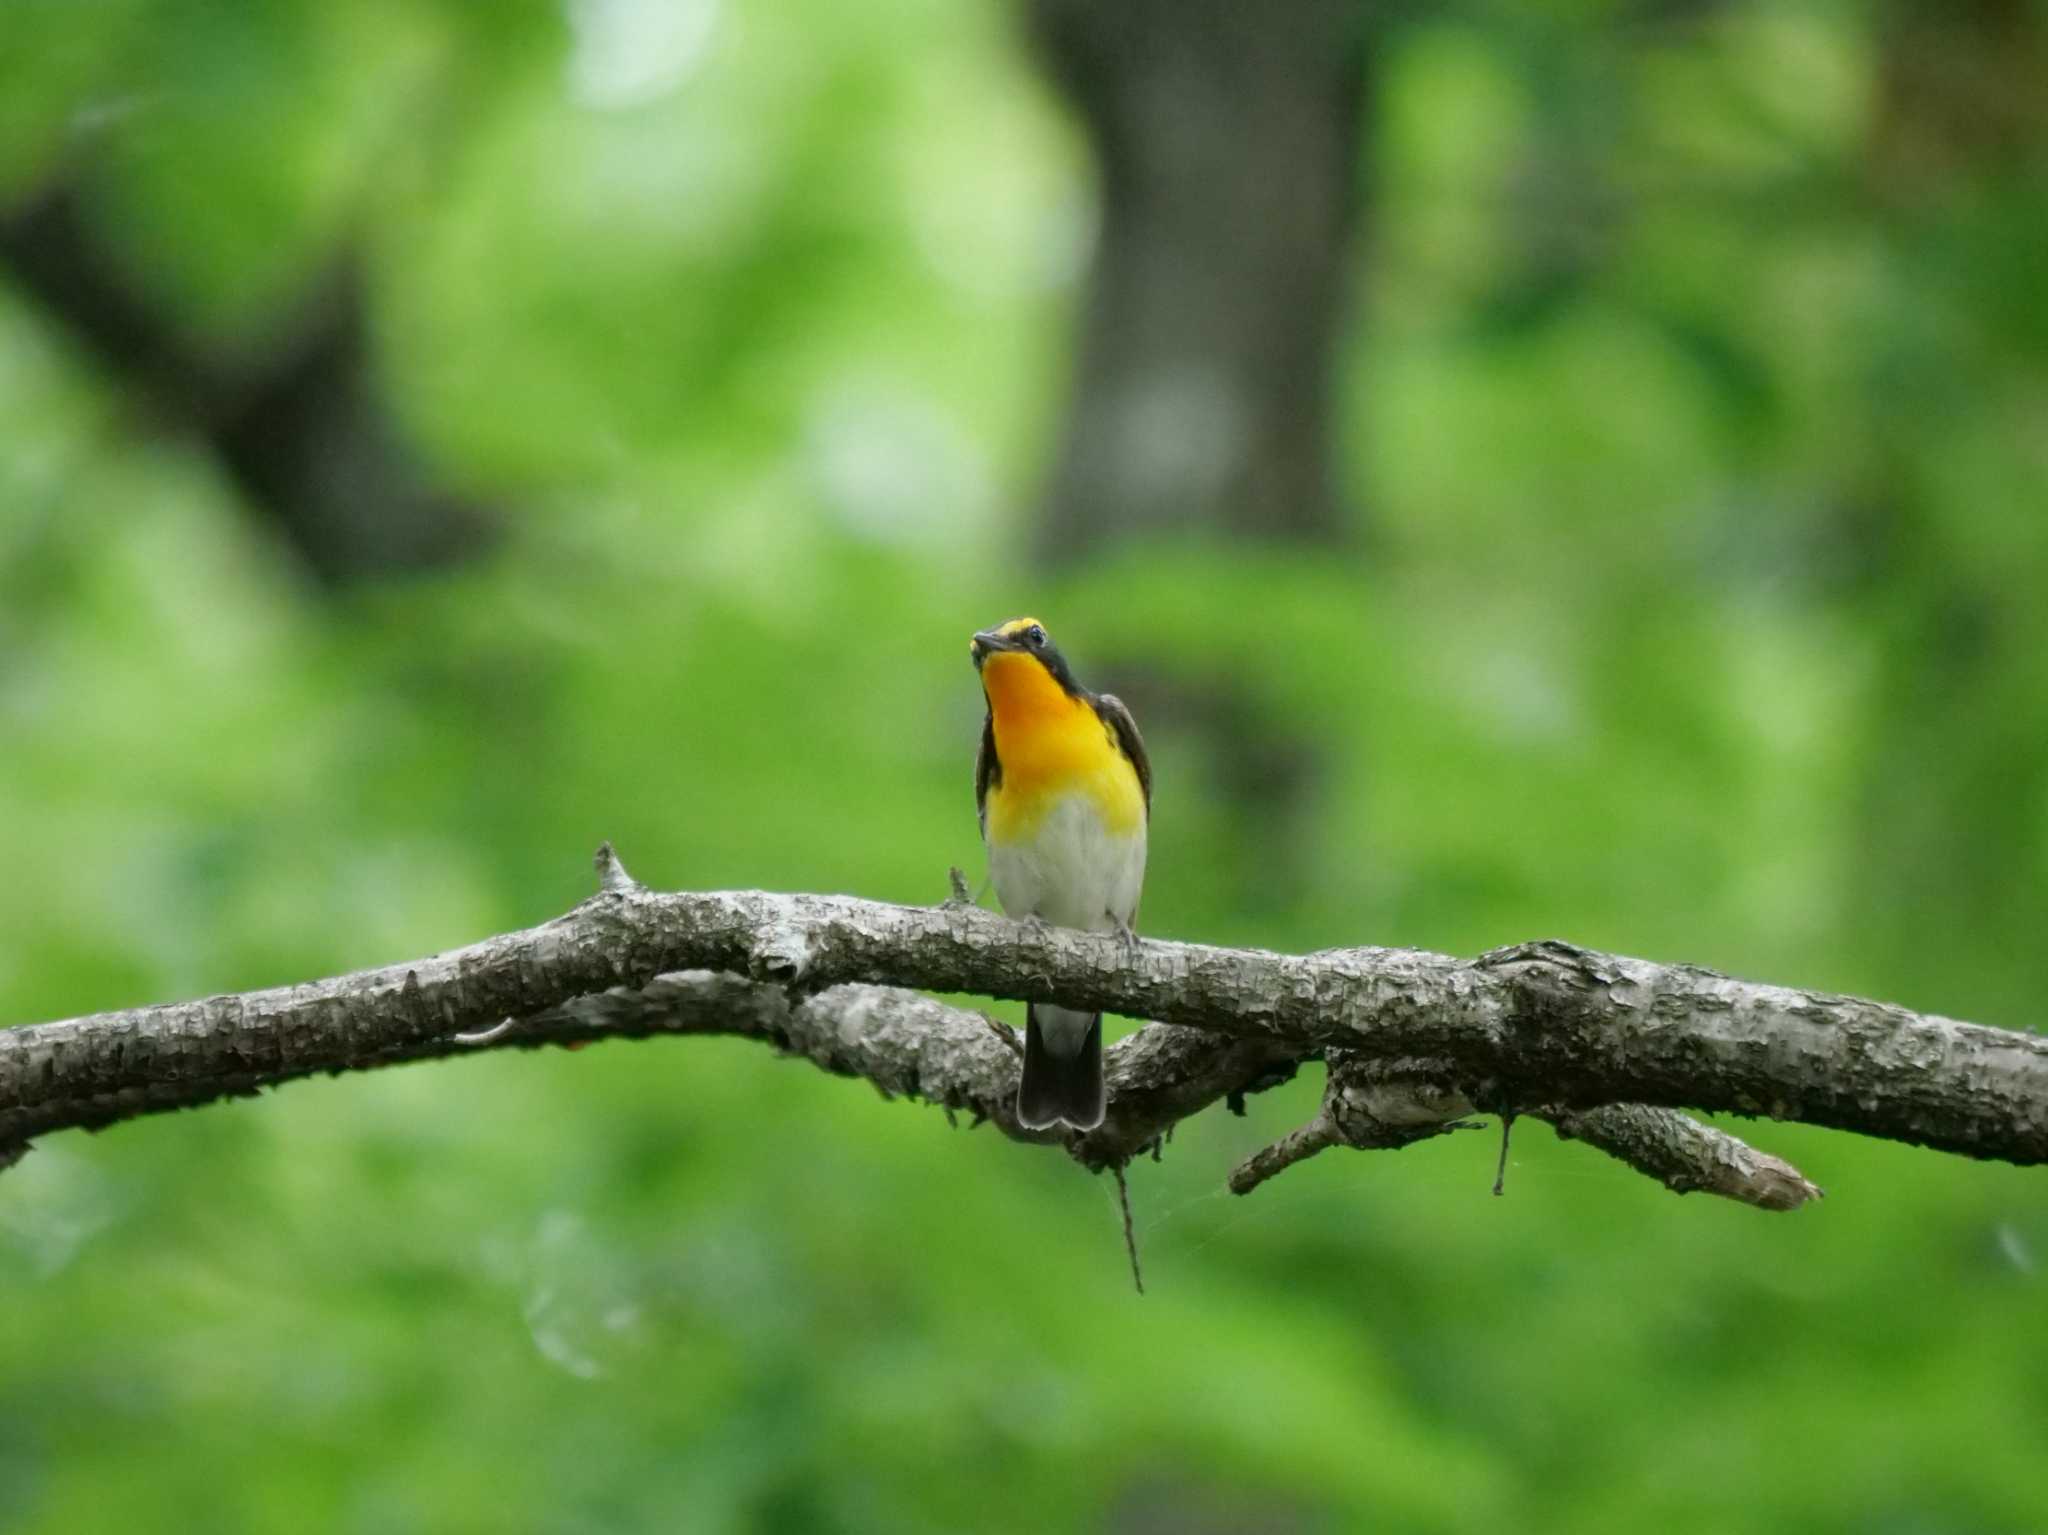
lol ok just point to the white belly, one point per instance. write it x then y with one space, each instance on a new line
1072 870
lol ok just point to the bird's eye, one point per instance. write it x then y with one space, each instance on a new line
1034 636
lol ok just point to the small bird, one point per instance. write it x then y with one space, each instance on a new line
1064 793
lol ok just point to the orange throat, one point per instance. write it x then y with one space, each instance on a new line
1051 745
1024 697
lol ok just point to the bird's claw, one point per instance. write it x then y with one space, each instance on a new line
1128 936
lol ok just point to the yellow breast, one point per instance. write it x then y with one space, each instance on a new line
1051 746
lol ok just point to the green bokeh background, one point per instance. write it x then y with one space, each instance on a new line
1697 612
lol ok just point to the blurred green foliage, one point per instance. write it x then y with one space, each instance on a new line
1699 424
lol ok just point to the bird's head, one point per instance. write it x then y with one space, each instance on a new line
1019 654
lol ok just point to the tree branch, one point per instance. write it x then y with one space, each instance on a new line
1376 1105
1416 1040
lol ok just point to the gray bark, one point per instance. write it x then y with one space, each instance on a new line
1416 1039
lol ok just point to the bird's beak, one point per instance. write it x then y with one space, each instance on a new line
985 643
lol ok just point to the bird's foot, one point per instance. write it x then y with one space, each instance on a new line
1127 935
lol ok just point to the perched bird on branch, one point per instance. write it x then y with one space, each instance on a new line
1064 793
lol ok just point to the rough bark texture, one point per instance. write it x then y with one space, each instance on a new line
1685 1155
1416 1040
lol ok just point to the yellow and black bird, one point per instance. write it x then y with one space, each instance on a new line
1065 793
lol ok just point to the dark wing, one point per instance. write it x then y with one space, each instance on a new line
987 770
1119 720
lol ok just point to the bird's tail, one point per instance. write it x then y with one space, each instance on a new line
1062 1068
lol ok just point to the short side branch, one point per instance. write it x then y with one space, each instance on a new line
1687 1156
1370 1105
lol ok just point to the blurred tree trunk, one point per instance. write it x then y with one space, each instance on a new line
1962 92
1227 137
300 427
1956 167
